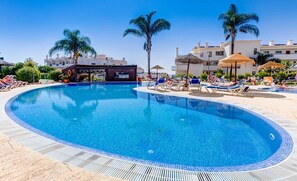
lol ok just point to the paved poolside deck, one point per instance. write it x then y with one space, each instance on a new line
27 156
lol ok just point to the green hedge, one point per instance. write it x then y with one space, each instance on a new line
203 76
28 74
55 75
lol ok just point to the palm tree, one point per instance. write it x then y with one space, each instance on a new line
144 27
73 43
262 58
234 22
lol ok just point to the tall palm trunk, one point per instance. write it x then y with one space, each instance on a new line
232 52
76 54
149 48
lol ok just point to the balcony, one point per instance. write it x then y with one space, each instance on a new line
282 56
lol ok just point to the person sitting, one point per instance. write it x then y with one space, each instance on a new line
168 80
284 84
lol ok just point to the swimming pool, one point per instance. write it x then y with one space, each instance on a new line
168 131
292 90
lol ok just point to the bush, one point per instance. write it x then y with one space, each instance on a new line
220 71
6 70
45 69
240 77
180 75
263 74
247 75
16 67
203 76
219 75
44 75
292 74
28 74
55 75
281 76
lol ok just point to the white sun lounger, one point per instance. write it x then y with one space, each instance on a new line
235 89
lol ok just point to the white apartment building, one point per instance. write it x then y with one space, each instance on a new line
85 59
212 54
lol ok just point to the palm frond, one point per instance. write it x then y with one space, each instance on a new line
233 9
141 24
132 32
159 25
145 46
248 28
228 36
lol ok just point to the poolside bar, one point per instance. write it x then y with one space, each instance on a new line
91 73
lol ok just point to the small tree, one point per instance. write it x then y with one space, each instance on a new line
28 74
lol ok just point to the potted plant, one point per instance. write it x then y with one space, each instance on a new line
65 78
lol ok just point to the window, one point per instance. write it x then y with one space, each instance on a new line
201 54
255 51
295 51
213 63
219 53
266 52
278 52
209 54
288 52
93 63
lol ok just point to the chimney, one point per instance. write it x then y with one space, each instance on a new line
124 58
222 44
206 45
198 45
46 57
58 56
290 42
271 43
176 51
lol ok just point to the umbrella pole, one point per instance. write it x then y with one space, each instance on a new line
235 71
157 74
231 71
188 67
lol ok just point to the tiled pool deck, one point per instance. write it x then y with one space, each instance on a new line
26 155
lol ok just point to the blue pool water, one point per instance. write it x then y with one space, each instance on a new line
292 90
164 130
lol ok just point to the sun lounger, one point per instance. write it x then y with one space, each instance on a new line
9 85
4 88
160 85
195 83
177 86
234 89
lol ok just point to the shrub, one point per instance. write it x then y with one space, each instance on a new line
220 71
281 76
45 69
263 74
55 75
240 77
44 75
219 75
6 70
16 67
247 75
292 74
203 76
28 74
180 75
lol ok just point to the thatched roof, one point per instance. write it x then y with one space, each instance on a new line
191 58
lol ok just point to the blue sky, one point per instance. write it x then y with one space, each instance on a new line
29 28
